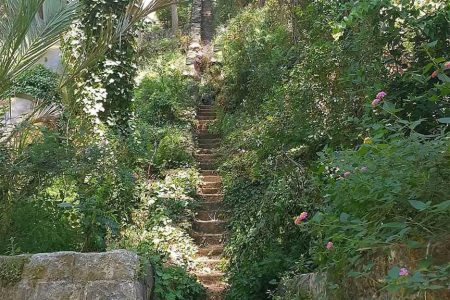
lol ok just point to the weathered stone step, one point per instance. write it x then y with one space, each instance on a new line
209 173
207 135
206 112
208 146
205 151
207 238
211 178
213 262
206 165
210 277
209 226
208 141
211 205
215 291
210 190
208 118
210 250
207 215
211 185
211 197
205 106
205 156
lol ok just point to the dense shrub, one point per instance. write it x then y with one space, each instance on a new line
39 83
293 87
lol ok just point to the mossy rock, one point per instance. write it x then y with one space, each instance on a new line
11 268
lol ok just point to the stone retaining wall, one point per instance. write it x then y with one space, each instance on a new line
112 275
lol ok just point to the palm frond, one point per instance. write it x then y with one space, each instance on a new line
25 37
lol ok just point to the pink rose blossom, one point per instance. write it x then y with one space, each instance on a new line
329 245
381 95
375 102
434 74
297 220
447 65
346 174
403 272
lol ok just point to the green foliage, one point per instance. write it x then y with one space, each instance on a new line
292 87
392 204
38 82
174 150
163 95
159 232
184 9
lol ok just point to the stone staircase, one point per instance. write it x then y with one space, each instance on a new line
209 224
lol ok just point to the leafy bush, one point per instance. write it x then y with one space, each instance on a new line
385 206
38 82
293 87
174 150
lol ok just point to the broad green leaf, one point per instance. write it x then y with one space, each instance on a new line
394 272
442 206
419 205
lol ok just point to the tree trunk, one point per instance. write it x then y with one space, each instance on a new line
173 8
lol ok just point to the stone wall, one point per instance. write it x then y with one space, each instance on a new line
74 276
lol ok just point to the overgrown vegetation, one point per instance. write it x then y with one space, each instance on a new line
337 148
111 165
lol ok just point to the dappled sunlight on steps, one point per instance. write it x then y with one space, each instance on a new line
209 224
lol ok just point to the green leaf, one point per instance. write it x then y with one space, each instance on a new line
344 217
394 225
394 272
419 205
443 77
442 206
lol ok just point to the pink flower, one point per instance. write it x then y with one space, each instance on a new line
364 169
329 245
434 74
403 272
381 95
301 218
346 174
376 101
447 65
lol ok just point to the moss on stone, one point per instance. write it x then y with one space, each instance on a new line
11 268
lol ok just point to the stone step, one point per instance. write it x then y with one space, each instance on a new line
209 173
210 277
207 118
208 141
211 178
206 165
215 291
206 112
205 106
207 135
208 146
206 156
211 185
204 239
209 226
205 151
210 190
207 215
206 262
210 206
210 250
211 197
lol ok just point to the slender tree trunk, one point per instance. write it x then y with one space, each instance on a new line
174 11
